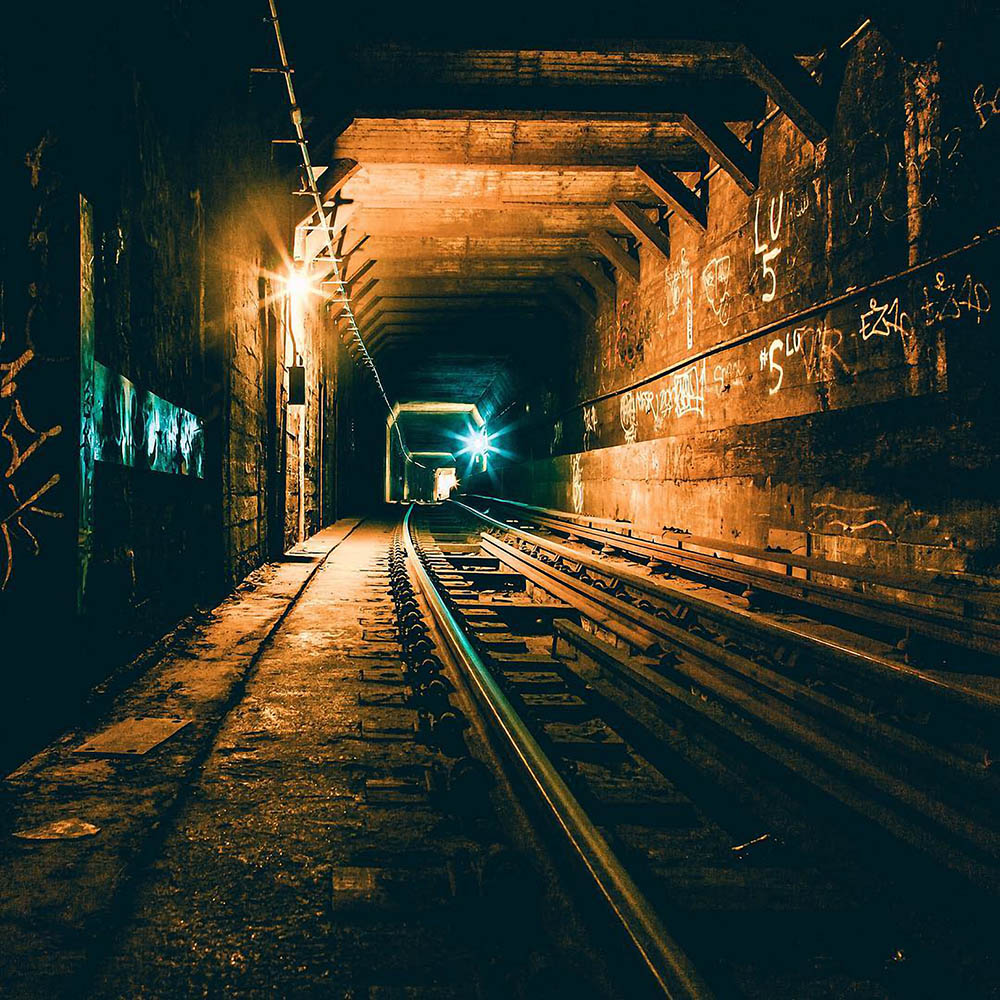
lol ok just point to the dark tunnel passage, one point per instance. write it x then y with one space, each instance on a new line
669 332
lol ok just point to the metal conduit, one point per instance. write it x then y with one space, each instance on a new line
667 962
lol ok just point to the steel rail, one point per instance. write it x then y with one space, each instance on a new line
666 961
844 771
960 695
980 635
923 582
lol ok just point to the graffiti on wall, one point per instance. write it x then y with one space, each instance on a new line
85 509
680 294
632 332
727 374
816 347
984 104
854 519
591 427
683 394
137 428
20 504
779 227
120 423
948 301
628 417
766 243
715 283
879 181
816 364
576 480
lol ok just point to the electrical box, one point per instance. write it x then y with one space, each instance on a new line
296 385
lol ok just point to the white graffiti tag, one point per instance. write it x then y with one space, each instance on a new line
715 282
590 428
944 300
576 479
767 250
680 289
628 417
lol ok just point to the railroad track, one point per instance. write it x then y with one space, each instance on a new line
926 614
772 804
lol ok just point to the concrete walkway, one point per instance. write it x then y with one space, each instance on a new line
59 897
310 853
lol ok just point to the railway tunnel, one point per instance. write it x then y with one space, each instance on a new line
499 503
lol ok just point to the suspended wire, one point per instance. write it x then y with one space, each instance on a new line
326 224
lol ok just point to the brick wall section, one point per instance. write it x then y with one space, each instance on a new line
239 336
864 431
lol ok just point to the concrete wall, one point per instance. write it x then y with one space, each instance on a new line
188 219
754 387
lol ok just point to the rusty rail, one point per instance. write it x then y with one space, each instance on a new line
666 961
957 694
975 634
792 721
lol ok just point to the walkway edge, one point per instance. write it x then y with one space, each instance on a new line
59 898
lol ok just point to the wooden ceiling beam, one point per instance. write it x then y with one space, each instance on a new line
671 190
359 295
311 238
373 341
434 319
551 61
615 253
538 220
417 303
735 97
582 299
362 313
647 232
491 339
360 272
431 286
518 145
783 78
369 322
722 144
437 187
471 246
311 241
335 176
496 268
593 273
371 329
345 255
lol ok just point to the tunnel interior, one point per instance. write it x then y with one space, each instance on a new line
639 286
730 277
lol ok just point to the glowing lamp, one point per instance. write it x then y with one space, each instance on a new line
478 442
298 285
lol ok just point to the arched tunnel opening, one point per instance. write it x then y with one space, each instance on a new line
499 503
